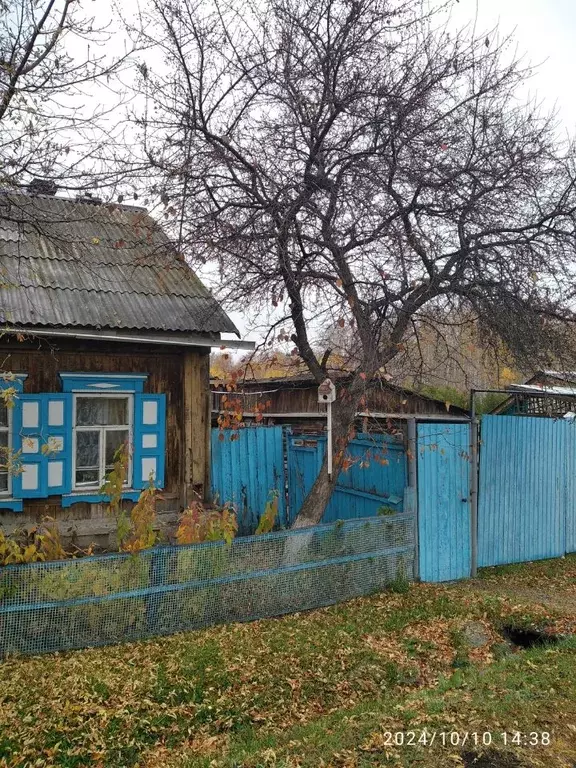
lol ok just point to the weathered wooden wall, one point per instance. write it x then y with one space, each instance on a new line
285 397
389 400
179 373
196 426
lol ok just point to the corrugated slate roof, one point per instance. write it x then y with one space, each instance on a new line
534 389
68 263
568 375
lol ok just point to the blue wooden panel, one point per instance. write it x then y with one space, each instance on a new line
95 498
443 501
247 466
305 456
375 479
526 490
570 484
45 445
103 382
57 417
29 441
149 440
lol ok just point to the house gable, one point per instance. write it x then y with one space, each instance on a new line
97 266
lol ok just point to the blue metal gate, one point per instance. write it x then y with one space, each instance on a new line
374 483
443 501
526 496
247 466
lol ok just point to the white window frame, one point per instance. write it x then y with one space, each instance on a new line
8 492
102 429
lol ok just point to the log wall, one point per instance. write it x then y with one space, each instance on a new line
180 373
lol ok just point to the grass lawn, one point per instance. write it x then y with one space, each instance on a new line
316 689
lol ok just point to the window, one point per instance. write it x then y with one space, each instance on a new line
84 425
102 423
4 448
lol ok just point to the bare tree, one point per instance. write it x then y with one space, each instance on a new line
355 163
51 57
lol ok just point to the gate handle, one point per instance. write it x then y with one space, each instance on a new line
464 499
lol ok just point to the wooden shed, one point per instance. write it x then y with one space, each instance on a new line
293 400
106 339
550 394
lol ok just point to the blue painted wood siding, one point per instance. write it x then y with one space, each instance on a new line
443 501
527 494
376 478
246 470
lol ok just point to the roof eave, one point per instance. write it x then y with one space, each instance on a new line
133 337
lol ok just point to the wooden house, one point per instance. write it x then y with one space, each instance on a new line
106 335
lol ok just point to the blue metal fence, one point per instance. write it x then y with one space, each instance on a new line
247 466
526 492
526 496
570 490
112 598
443 501
373 484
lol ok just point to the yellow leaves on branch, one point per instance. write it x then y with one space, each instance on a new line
8 394
38 545
268 519
115 480
141 533
198 524
136 531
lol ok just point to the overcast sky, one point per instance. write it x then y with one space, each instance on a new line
546 31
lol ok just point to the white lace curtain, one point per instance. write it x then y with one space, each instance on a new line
101 411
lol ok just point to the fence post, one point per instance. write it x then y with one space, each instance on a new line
413 485
286 434
473 488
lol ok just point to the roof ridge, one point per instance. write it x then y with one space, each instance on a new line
73 200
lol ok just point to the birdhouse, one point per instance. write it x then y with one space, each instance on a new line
326 392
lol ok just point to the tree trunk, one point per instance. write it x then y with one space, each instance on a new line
343 417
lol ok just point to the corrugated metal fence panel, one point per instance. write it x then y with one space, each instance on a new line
246 469
375 479
570 475
443 505
305 456
526 488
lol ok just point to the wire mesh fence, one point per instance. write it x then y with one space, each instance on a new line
112 598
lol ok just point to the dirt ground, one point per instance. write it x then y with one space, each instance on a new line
550 586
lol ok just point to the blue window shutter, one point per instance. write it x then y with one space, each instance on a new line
42 433
58 440
27 420
14 382
149 438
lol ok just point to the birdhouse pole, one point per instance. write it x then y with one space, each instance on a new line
327 395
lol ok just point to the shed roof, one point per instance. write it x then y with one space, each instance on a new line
544 387
65 263
564 375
